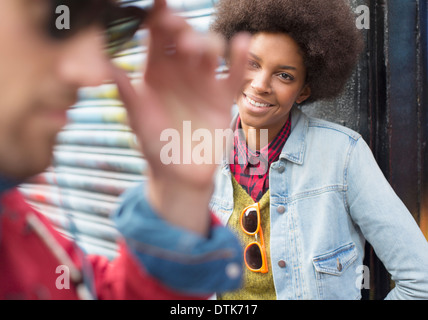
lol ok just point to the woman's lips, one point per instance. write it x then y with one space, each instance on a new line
255 106
257 102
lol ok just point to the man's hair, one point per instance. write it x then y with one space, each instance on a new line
325 30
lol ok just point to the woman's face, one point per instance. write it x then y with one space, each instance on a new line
274 81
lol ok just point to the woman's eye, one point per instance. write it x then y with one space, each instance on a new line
286 76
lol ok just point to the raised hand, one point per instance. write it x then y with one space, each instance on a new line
180 84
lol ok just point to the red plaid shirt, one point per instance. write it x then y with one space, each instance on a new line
251 168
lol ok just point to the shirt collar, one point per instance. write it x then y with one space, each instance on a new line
267 154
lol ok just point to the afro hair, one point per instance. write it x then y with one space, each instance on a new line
325 30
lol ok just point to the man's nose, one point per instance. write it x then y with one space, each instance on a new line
83 61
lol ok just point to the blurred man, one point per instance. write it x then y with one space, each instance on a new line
173 247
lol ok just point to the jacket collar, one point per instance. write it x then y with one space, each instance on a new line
295 147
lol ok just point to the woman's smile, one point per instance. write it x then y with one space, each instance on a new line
256 105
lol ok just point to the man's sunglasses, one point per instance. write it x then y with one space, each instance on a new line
120 22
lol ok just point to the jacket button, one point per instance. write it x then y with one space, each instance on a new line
281 263
280 209
339 265
281 169
233 270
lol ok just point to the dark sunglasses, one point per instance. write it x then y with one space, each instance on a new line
120 22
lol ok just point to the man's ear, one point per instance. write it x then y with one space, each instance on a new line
304 94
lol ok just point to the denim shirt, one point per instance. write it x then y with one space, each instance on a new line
328 196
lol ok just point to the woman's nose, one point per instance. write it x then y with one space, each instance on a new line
261 83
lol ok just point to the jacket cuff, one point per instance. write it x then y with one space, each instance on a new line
180 259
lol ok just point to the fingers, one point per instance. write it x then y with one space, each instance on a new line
173 40
159 5
127 93
200 52
165 29
238 57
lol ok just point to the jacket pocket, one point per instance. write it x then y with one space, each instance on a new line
335 279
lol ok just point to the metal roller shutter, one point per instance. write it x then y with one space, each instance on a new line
95 158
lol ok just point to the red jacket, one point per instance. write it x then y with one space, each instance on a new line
28 265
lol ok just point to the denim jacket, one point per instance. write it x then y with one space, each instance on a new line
327 197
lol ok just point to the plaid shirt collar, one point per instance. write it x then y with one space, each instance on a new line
267 155
251 168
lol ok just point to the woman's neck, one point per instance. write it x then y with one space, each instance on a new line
258 138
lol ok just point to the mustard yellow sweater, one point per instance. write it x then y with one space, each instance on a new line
256 285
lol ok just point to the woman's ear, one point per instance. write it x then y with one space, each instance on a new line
304 94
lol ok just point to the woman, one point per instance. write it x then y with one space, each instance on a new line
303 194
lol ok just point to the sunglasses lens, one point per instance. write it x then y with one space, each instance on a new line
119 33
250 220
122 23
253 256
